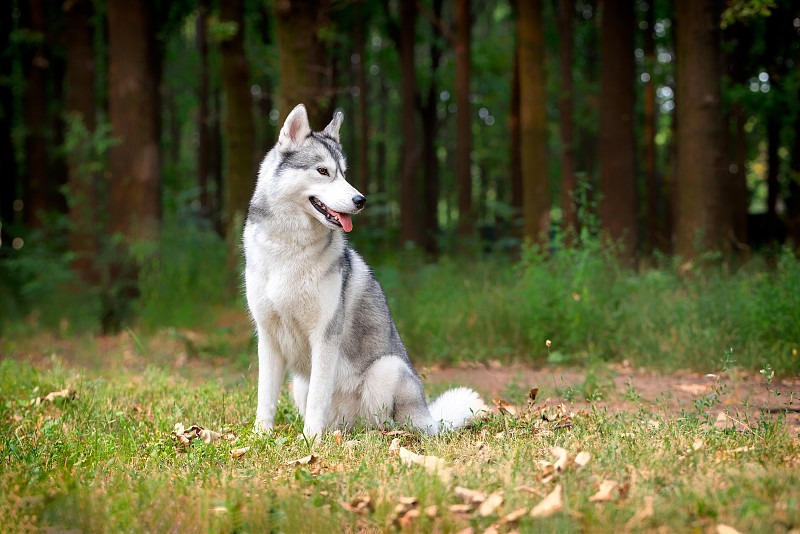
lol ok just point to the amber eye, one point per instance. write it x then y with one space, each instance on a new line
323 171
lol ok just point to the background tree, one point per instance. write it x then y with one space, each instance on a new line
618 206
80 102
532 120
701 222
239 128
133 108
463 117
568 182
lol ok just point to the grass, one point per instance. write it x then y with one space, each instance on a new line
104 461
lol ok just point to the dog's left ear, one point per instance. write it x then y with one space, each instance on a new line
332 129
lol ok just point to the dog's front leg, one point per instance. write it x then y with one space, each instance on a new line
324 360
271 369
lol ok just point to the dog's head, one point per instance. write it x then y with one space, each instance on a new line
311 167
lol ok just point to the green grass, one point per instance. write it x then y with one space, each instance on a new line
104 461
667 317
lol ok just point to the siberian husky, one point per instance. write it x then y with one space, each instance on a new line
318 310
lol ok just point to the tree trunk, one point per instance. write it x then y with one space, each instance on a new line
652 232
533 126
362 183
409 227
239 129
83 199
463 119
701 224
135 185
616 142
568 183
515 152
37 198
305 76
773 167
203 144
11 178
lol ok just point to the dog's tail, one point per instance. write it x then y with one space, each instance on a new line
457 408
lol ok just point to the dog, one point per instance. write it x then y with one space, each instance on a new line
318 310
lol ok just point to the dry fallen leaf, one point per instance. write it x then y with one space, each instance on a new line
432 464
407 518
491 529
460 509
394 448
432 511
698 444
581 459
550 504
469 496
358 505
491 504
238 453
504 407
208 436
604 491
532 394
65 393
562 458
306 460
514 516
725 529
337 436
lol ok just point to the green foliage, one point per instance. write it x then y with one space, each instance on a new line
183 277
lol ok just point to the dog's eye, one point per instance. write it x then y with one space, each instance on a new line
323 171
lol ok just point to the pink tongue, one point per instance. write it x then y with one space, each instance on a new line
346 221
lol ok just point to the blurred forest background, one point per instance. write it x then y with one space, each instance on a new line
647 133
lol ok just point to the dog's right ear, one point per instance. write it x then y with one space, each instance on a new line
295 130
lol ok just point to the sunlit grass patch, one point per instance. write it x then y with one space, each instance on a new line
104 459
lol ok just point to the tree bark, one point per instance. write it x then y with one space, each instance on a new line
135 185
653 235
515 156
239 128
568 182
37 198
362 183
409 227
463 118
305 76
83 199
11 178
701 223
533 126
203 143
616 143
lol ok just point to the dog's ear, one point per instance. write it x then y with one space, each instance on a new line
295 129
332 129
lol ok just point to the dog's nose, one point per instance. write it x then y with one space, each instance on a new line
359 201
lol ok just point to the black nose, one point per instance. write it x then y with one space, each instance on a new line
359 201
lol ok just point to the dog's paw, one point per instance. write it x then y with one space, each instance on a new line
261 428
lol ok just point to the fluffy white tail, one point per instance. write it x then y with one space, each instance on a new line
456 408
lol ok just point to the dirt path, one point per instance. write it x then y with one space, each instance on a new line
746 395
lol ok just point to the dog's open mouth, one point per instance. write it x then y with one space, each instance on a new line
339 219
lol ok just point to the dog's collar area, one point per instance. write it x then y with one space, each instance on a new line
329 214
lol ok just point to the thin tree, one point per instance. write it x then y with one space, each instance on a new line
568 182
652 232
463 118
533 126
701 223
39 184
83 199
616 142
409 227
